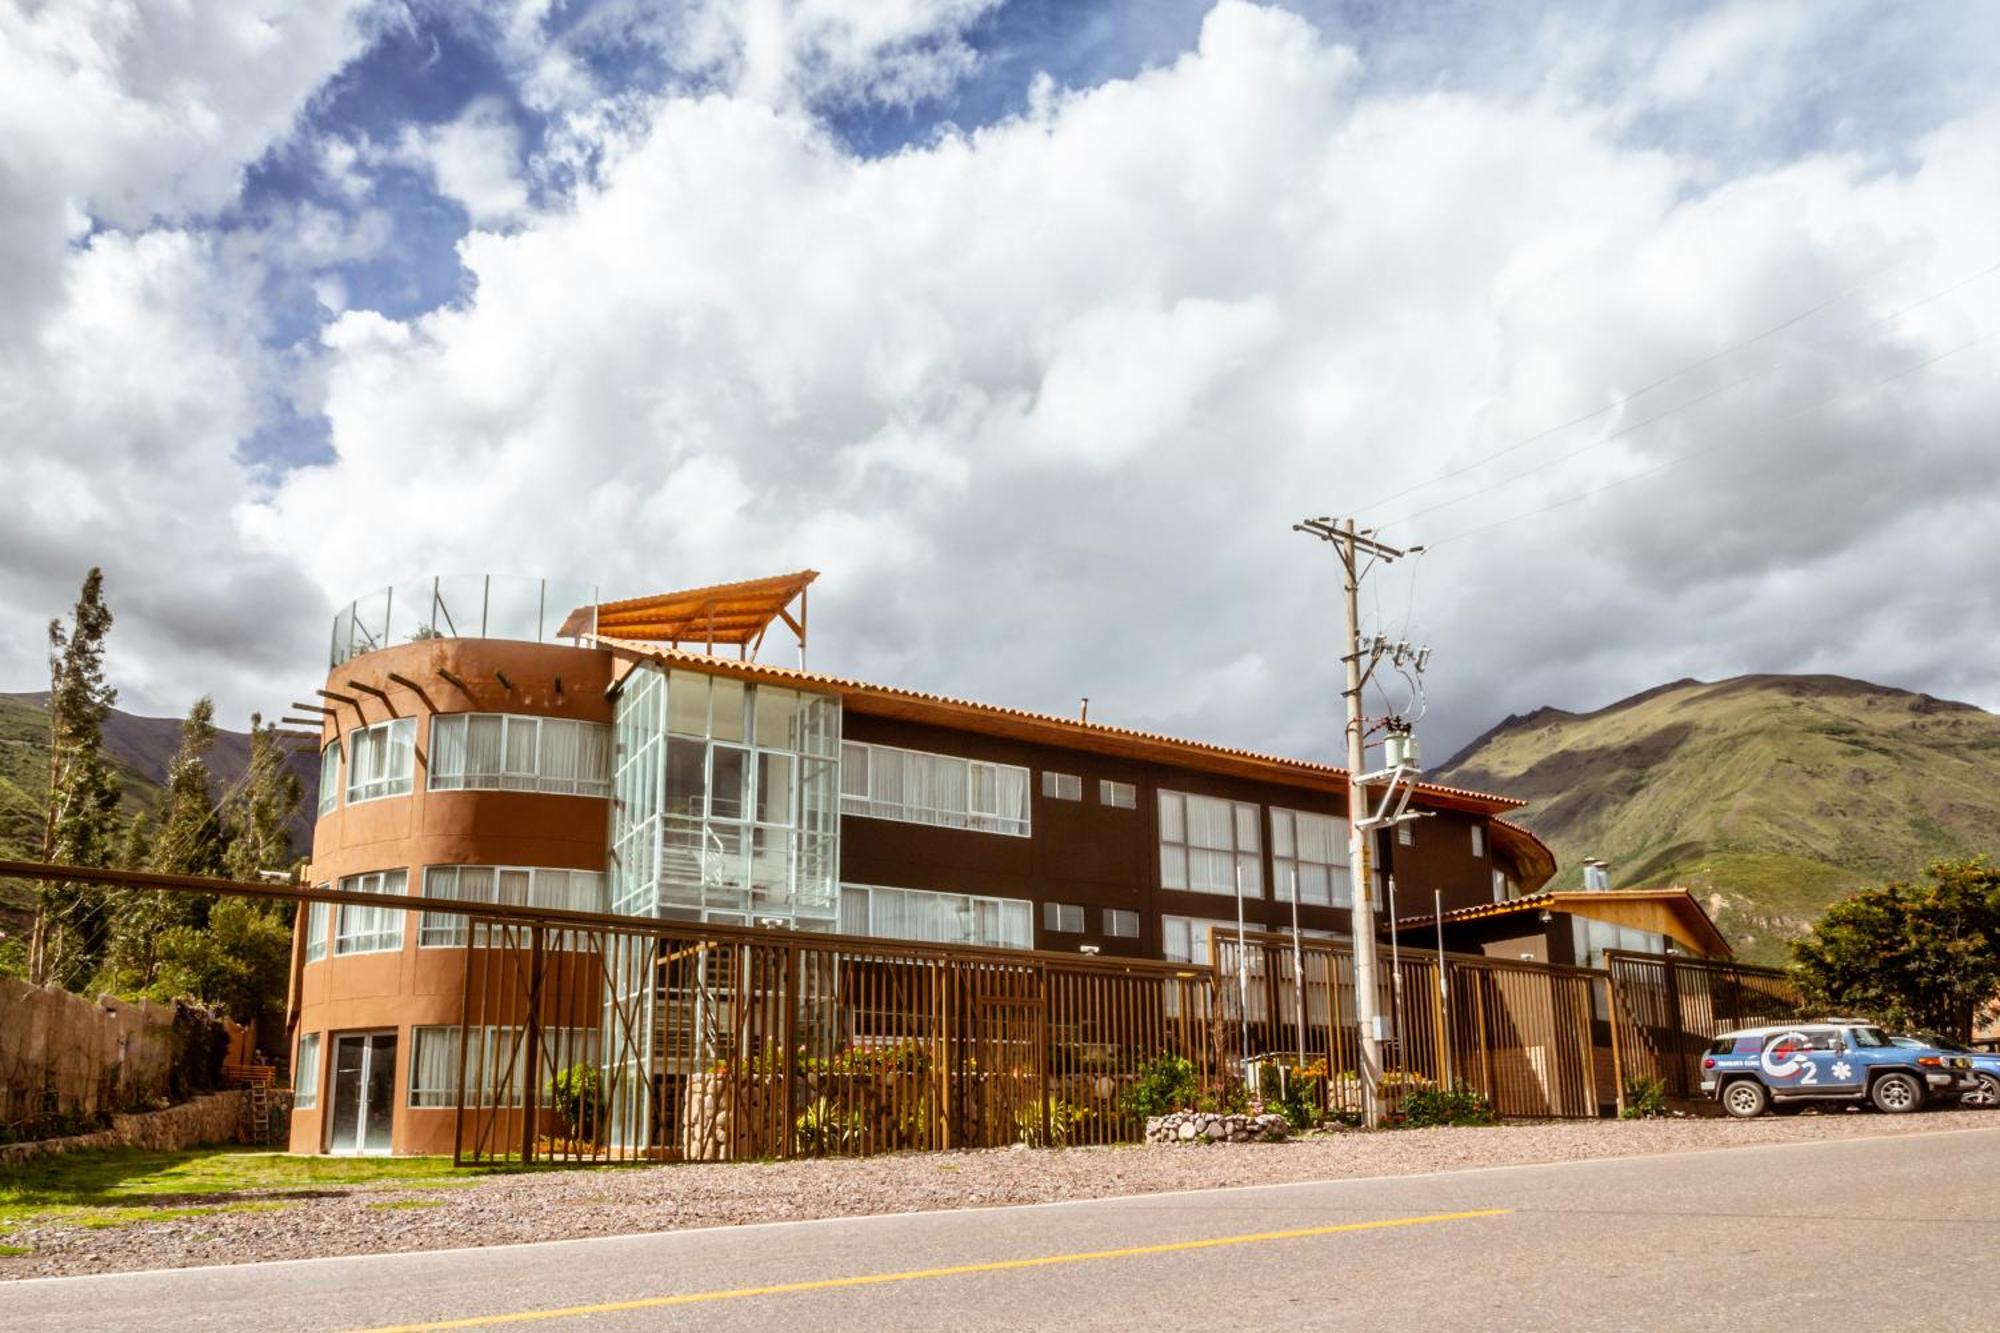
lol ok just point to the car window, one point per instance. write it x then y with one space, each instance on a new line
1802 1039
1871 1037
1723 1046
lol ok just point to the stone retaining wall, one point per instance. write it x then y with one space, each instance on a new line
1207 1127
215 1118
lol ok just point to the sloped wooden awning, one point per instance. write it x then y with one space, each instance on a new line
1672 912
730 614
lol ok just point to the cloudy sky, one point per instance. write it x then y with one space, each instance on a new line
1033 324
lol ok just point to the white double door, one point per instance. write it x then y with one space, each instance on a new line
364 1092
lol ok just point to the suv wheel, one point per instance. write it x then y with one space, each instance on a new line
1897 1094
1745 1099
1987 1094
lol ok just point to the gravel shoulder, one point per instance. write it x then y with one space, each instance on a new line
557 1205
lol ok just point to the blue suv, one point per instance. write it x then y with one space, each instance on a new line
1828 1061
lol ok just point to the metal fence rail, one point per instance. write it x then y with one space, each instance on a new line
1668 1010
1524 1035
681 1042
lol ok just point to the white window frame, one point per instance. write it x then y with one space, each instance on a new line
329 778
351 940
1479 841
1121 923
1062 918
573 1046
1061 786
859 791
305 1072
1118 795
1285 865
536 750
446 930
319 925
1178 854
1406 833
1199 931
381 760
1013 918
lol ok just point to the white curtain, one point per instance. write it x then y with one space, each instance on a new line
484 751
371 929
561 755
317 919
305 1070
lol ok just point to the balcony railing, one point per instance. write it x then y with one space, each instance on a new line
459 606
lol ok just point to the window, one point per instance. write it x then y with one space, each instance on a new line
510 752
329 779
381 760
1875 1039
1120 924
1063 918
1478 840
305 1071
883 782
1593 938
370 929
1185 939
1209 846
1310 850
938 918
1406 833
1503 888
495 1064
1122 795
526 886
1062 786
316 923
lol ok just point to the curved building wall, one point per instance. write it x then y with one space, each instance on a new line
397 990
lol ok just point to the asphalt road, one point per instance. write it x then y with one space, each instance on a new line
1896 1232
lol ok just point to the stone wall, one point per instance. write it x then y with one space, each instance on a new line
215 1118
69 1060
1207 1127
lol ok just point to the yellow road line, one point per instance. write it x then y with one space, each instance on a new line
917 1274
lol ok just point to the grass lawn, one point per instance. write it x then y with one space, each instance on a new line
127 1185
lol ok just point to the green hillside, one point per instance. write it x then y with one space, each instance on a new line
1772 795
140 750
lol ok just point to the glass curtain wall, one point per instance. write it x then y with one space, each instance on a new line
726 801
725 808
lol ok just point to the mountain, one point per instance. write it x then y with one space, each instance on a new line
140 749
1771 795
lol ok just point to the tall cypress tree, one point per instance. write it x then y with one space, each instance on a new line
259 812
192 839
80 826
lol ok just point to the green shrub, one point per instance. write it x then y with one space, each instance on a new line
1232 1098
1645 1099
1064 1117
824 1128
1299 1095
1166 1084
1456 1105
577 1095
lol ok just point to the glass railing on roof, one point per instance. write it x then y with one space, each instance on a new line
464 606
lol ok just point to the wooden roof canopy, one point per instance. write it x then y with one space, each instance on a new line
1673 912
731 614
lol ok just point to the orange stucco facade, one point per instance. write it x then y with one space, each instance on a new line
394 991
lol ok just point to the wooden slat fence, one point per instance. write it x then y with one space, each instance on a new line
1668 1010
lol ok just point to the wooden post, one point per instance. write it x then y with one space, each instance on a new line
1617 1050
531 1044
464 1021
794 970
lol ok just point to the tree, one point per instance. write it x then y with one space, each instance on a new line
191 840
258 814
1920 958
81 821
239 960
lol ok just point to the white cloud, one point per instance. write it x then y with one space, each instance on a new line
475 160
1042 400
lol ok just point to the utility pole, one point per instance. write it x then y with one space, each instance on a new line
1351 546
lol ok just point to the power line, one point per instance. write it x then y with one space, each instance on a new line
1672 375
1806 411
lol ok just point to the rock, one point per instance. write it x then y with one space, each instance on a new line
1188 1129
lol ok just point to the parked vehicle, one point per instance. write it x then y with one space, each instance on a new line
1829 1060
1985 1066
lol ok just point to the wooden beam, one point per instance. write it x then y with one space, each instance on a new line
448 677
413 688
312 708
